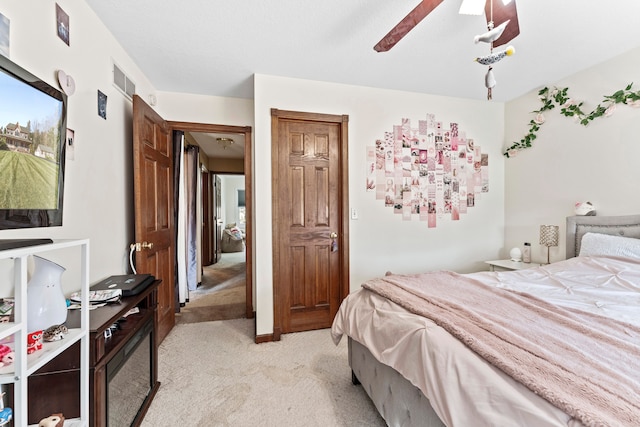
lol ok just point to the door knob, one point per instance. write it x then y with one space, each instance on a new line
334 241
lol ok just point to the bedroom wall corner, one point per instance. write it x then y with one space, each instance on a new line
571 163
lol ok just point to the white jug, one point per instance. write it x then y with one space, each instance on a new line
46 304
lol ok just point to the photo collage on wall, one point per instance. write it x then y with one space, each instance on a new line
428 172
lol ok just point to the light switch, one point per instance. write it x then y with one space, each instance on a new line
354 213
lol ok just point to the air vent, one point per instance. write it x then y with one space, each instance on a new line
123 82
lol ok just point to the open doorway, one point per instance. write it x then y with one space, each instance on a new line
221 294
225 289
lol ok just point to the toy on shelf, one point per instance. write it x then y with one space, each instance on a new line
34 341
6 310
53 420
6 355
6 414
55 333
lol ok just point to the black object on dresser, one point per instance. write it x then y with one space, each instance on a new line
123 361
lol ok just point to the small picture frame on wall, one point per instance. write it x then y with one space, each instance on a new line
102 105
62 24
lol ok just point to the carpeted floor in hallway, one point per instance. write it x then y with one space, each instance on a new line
222 293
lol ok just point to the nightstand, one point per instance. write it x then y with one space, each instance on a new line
507 264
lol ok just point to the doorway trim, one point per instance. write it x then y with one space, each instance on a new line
248 168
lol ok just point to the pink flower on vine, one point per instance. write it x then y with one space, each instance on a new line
634 104
539 119
610 110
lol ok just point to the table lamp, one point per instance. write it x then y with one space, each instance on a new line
549 236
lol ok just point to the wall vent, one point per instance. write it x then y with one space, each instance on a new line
123 82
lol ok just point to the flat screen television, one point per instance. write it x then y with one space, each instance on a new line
32 149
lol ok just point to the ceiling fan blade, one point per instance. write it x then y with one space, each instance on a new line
411 20
501 13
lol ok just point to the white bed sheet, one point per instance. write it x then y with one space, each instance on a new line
463 389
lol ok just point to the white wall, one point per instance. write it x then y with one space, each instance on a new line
569 162
380 240
185 107
98 201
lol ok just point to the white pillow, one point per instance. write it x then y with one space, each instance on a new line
596 244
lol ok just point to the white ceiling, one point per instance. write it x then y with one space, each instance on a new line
215 149
213 47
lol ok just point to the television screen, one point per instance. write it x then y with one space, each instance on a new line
32 147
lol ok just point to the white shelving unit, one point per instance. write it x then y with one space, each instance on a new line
25 365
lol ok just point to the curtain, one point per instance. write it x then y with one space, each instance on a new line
187 216
179 216
199 222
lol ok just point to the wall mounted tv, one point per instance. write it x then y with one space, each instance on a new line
32 146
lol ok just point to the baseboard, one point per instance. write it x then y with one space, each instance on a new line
275 336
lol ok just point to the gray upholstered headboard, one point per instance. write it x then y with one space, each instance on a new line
577 226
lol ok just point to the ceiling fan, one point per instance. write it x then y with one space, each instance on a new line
496 11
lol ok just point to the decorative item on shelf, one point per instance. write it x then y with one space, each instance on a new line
6 310
549 236
34 341
225 142
46 304
55 333
6 355
526 253
53 420
6 414
515 254
585 209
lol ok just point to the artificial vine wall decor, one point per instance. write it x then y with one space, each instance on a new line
569 107
430 171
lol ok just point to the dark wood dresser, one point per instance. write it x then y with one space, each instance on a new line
56 386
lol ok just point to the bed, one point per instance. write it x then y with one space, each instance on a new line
418 371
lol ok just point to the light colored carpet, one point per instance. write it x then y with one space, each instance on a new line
222 293
213 374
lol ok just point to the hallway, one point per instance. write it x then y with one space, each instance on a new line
222 293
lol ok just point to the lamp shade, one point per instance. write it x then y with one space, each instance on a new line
549 235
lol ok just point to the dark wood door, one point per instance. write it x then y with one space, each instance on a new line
154 208
310 242
207 220
217 216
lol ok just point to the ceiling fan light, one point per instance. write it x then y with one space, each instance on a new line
472 7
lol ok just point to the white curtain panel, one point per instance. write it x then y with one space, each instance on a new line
181 247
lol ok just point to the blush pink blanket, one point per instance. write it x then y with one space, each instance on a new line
585 364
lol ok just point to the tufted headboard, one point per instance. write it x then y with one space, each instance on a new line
577 226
